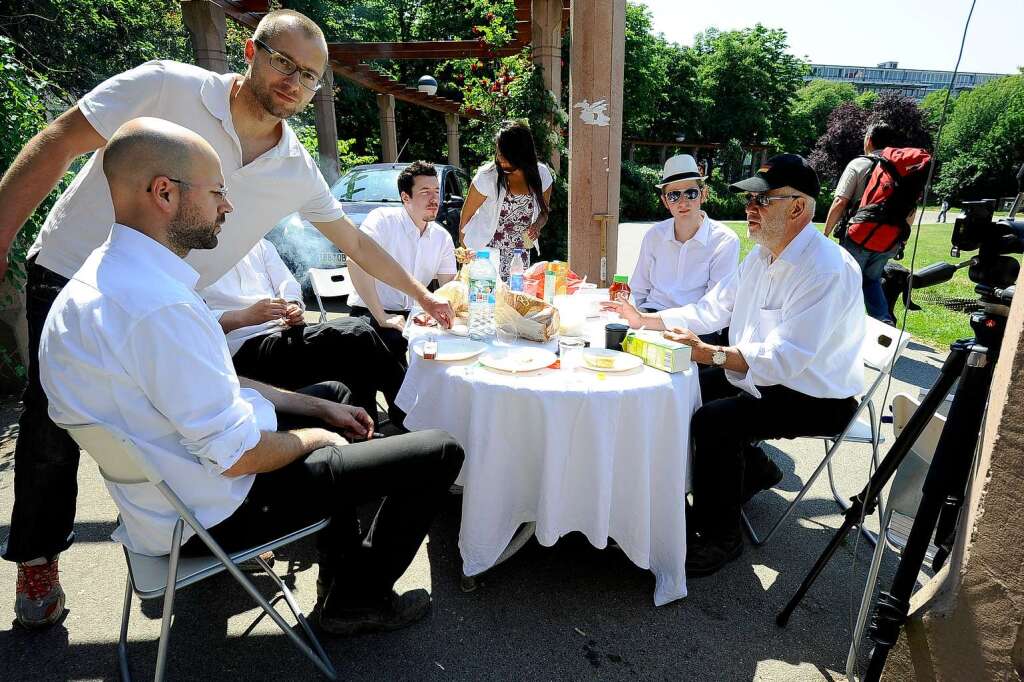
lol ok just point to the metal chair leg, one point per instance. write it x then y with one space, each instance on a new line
865 602
122 642
172 584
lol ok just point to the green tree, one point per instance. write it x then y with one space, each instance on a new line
645 76
982 144
931 108
810 109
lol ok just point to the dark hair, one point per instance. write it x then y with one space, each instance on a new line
407 178
882 135
515 142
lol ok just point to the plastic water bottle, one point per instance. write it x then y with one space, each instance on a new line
482 281
517 270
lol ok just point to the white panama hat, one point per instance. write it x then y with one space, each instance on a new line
679 167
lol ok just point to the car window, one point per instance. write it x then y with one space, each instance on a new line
453 186
368 184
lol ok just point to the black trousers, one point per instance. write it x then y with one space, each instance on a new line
729 420
411 473
345 349
45 457
393 339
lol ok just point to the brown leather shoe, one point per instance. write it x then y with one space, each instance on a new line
396 612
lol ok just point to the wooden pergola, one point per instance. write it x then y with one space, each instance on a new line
595 107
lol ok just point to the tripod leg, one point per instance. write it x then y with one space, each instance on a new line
947 477
864 502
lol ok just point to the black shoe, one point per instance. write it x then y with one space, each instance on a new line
759 473
397 611
692 534
707 556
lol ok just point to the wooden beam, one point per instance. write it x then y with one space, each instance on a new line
207 29
388 131
547 54
452 125
327 130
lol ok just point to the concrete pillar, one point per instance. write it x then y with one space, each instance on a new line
547 53
452 124
595 133
388 133
205 23
327 129
967 623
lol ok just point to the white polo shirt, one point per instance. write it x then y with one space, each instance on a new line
129 344
425 255
260 275
670 273
282 181
798 320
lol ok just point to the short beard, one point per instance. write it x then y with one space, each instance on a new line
265 98
769 234
188 231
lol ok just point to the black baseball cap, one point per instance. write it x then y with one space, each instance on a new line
782 170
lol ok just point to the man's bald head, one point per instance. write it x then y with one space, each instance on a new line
145 148
280 21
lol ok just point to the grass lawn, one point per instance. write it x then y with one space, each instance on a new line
934 324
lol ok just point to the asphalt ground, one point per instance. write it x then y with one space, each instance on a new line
565 612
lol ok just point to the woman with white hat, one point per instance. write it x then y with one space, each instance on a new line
685 256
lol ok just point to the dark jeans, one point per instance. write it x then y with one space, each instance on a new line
345 349
393 338
45 458
871 265
729 420
411 472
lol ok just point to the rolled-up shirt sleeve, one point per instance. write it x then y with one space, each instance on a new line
182 365
793 335
711 313
281 278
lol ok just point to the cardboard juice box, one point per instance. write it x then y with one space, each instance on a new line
658 352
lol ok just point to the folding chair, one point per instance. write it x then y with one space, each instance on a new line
901 507
882 347
329 283
152 577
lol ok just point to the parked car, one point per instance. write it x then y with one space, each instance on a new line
360 190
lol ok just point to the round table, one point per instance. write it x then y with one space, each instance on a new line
605 454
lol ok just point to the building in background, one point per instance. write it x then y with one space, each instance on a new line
888 77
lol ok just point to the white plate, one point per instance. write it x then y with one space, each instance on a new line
459 329
621 362
517 359
450 350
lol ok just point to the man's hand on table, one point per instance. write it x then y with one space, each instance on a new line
439 309
700 352
353 421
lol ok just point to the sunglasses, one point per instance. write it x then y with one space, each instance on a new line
675 195
763 200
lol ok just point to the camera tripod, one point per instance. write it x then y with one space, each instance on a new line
971 361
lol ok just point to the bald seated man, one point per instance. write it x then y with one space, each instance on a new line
270 175
129 344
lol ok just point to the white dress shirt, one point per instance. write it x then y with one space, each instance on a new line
129 344
424 256
261 274
670 273
283 180
798 320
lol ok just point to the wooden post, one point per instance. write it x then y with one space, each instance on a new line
327 129
452 123
388 134
205 23
595 131
632 151
547 53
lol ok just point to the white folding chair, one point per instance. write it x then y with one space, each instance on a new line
883 345
329 283
901 507
152 577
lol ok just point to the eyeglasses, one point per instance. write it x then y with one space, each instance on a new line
763 200
691 193
219 190
285 66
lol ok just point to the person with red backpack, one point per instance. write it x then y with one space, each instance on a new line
875 201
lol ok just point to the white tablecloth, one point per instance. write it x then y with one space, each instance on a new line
606 455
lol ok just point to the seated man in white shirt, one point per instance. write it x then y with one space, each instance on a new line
259 306
420 245
129 344
793 367
684 257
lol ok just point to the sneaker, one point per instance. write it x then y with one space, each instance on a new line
708 556
40 598
397 611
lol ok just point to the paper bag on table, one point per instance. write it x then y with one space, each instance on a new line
531 317
457 294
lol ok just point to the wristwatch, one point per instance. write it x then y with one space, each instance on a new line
718 356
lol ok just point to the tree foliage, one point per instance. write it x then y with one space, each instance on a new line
811 106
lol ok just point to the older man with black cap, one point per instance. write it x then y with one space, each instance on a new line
795 314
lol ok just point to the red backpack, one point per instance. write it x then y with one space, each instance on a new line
895 182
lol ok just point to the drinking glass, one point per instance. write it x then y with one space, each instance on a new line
570 352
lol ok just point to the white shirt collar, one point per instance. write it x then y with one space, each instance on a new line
143 248
216 96
791 254
701 236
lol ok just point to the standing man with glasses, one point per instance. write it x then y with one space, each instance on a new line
793 367
269 175
684 257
